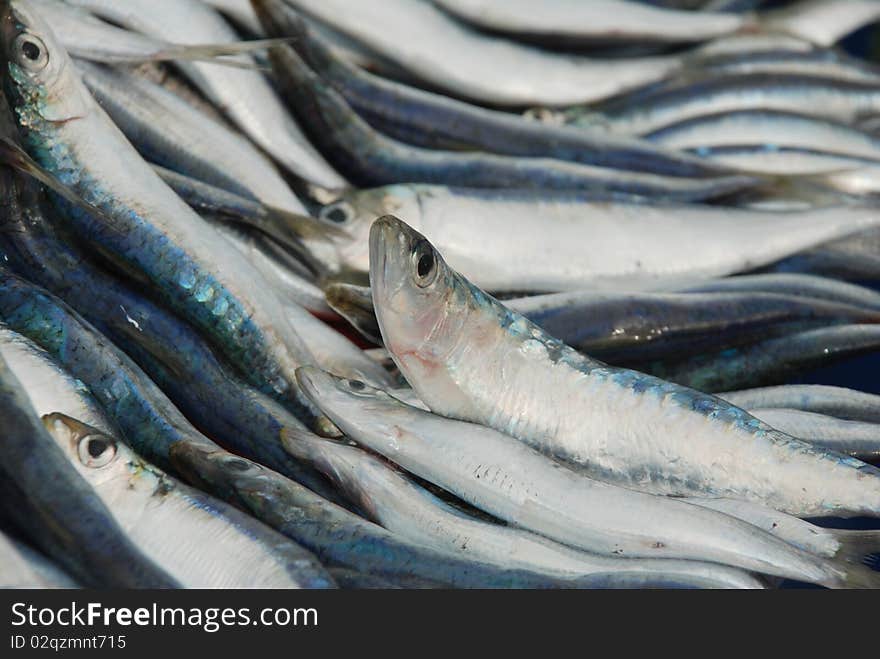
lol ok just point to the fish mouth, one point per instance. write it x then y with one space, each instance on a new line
381 236
386 235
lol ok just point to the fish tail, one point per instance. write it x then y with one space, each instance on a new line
861 548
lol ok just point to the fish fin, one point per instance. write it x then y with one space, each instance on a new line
215 53
305 227
858 547
17 158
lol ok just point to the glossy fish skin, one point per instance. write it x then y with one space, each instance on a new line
152 426
435 121
595 22
773 361
802 285
771 159
168 131
821 399
628 328
147 229
245 96
23 567
855 438
403 507
616 424
88 37
646 113
340 538
293 278
780 129
49 387
431 46
545 242
173 353
822 22
851 546
61 514
367 157
201 541
817 62
506 478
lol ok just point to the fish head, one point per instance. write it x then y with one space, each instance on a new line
39 76
421 303
353 213
97 456
350 403
224 474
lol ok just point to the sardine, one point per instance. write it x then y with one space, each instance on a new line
506 478
820 399
169 132
201 541
641 114
549 242
772 361
771 129
432 120
856 438
402 507
244 95
46 498
614 424
368 157
594 22
430 45
146 229
802 285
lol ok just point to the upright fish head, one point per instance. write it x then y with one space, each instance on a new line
96 456
422 305
39 78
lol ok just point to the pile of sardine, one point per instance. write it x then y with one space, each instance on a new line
438 293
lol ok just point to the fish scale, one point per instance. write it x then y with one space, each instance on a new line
675 441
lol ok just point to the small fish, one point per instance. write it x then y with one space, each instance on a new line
430 45
402 507
772 361
594 22
506 478
432 120
201 541
245 96
821 399
776 129
545 242
169 132
48 500
368 157
802 285
487 364
652 110
143 228
856 438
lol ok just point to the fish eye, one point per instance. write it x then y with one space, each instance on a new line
30 52
357 385
425 264
96 451
338 212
